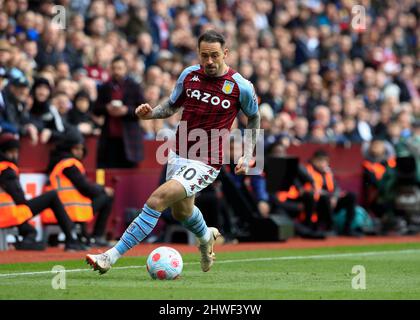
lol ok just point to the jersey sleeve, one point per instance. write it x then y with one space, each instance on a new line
177 96
247 96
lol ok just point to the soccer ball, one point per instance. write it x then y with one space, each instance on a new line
164 263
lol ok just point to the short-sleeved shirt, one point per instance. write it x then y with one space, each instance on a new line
210 105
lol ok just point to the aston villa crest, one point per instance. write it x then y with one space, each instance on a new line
228 87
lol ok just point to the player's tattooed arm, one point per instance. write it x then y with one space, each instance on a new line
252 132
251 137
164 110
161 111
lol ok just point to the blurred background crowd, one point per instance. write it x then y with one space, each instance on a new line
317 77
320 75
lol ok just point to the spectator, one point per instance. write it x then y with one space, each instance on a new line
16 113
307 45
393 133
45 112
81 115
41 97
146 50
160 24
351 134
73 52
411 147
300 130
49 52
259 199
297 202
379 155
5 53
137 21
121 143
330 199
30 48
4 24
97 70
4 125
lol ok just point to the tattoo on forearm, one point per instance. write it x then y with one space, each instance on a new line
253 127
164 110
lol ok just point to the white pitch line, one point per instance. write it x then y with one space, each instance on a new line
322 256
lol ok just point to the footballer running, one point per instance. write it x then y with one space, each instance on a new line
210 96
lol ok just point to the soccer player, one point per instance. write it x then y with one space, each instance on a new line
210 94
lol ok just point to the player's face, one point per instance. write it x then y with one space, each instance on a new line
212 57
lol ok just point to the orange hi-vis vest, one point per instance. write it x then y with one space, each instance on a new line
319 181
78 207
292 193
378 168
10 213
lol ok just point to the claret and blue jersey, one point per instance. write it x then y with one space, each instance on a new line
211 103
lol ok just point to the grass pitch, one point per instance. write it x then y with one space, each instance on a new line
392 272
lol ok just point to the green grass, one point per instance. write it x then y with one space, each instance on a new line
392 272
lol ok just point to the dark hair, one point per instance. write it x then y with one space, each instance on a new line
71 139
39 82
118 58
82 94
320 153
59 93
212 36
377 139
9 141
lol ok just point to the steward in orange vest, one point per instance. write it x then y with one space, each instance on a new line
328 195
15 210
80 197
375 170
297 202
377 162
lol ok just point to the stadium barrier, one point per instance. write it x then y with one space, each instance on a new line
133 186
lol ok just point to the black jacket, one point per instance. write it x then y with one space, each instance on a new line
9 182
132 132
15 112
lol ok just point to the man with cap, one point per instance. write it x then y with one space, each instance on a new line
15 210
81 197
15 111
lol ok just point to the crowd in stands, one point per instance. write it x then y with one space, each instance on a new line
321 73
318 78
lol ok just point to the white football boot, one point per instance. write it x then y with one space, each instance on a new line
207 254
100 262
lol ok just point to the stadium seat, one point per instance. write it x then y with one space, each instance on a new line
173 229
4 232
